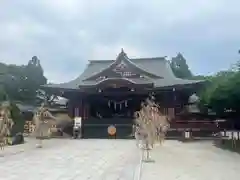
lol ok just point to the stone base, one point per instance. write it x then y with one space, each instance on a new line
186 140
38 145
148 160
43 137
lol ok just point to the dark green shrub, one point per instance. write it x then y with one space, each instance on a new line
18 119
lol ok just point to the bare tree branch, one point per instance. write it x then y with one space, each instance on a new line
151 124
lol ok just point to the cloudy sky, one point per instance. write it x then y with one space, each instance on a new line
65 34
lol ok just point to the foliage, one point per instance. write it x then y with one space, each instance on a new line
21 82
180 67
17 119
223 93
15 115
3 94
32 79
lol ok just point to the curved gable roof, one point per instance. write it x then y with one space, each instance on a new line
122 57
157 66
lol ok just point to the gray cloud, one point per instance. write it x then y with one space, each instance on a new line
65 34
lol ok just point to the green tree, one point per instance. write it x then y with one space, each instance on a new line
223 92
30 79
180 67
3 80
6 86
21 82
17 119
226 93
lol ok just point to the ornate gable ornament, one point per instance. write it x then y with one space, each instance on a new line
122 67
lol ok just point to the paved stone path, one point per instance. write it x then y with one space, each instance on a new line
117 160
192 161
70 160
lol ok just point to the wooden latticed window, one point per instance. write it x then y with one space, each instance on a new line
127 74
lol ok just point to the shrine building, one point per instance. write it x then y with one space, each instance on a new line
109 92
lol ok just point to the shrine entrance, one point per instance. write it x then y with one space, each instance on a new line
109 110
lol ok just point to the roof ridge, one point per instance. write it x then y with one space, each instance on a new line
142 58
149 58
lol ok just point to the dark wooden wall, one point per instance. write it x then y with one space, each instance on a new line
169 100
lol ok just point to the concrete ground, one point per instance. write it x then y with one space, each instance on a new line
198 160
65 159
68 159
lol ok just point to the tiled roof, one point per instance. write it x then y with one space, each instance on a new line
158 66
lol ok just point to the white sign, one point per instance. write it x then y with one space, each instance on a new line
77 121
187 134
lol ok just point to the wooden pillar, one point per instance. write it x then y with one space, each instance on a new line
80 107
71 108
84 109
171 104
174 102
75 107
